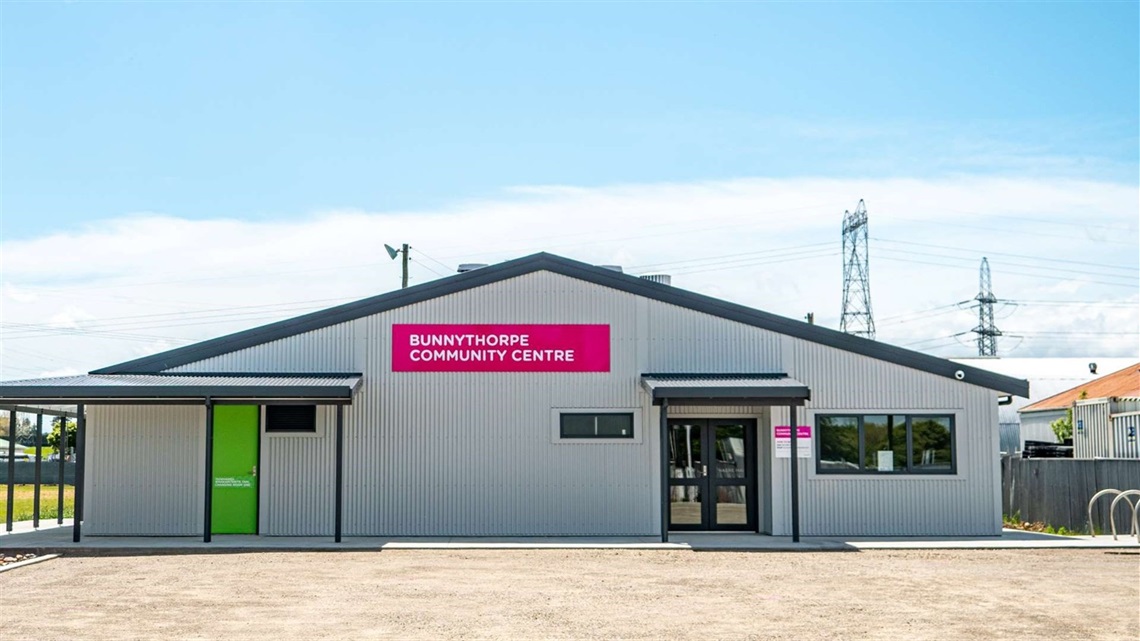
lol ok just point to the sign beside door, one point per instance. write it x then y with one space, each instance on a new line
783 435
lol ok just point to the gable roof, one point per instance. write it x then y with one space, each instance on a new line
1125 382
574 269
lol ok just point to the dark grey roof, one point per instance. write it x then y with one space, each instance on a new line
103 387
752 389
573 269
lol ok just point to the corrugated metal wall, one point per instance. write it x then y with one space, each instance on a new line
1095 440
967 503
144 472
474 454
1035 426
1126 428
297 478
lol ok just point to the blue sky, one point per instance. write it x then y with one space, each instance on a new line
270 111
172 172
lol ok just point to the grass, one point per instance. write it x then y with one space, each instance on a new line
24 503
1015 523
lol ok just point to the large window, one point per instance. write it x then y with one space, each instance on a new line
885 444
596 426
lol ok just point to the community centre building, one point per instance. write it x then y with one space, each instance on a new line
541 396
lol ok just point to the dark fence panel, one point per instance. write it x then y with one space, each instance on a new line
26 473
1057 491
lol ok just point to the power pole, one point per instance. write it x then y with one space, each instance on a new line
856 317
393 252
986 330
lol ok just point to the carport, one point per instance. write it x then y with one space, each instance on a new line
46 395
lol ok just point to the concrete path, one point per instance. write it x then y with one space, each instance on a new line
57 540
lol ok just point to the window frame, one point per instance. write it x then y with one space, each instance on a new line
634 413
909 470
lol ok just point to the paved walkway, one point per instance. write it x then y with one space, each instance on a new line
55 539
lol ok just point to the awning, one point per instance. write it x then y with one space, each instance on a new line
725 389
180 389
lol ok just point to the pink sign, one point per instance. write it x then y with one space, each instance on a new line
500 348
785 431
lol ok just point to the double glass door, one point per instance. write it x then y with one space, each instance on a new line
712 474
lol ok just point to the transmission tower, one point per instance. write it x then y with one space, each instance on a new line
986 331
856 317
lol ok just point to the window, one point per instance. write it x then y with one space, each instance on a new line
291 418
885 444
586 426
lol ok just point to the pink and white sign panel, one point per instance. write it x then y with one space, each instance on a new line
500 348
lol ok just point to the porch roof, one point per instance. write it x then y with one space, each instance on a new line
726 389
335 388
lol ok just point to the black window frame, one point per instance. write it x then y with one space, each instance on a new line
596 437
270 410
909 470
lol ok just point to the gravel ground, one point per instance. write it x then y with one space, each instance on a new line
580 594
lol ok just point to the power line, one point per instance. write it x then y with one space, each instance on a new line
975 253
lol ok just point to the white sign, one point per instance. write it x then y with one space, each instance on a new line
886 461
783 435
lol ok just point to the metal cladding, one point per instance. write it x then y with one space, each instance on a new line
144 470
466 453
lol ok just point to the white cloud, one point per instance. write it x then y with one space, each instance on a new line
149 282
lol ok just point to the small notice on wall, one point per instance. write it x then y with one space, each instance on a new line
886 461
784 441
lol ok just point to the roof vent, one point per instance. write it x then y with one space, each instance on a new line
613 268
664 279
470 267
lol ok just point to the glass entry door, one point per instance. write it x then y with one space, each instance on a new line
712 474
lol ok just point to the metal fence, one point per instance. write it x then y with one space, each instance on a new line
1057 491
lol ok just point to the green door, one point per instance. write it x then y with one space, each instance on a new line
234 507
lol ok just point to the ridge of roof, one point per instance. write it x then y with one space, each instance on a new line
601 276
1123 382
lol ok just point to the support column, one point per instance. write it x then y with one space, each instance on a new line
208 503
795 474
39 471
11 469
80 452
61 454
339 472
665 470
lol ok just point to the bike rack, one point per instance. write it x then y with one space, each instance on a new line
1112 514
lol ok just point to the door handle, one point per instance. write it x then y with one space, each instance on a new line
253 472
704 470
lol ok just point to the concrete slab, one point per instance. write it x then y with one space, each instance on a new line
57 540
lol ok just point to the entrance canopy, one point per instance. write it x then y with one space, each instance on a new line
193 389
725 389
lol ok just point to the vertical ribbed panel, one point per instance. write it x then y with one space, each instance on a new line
145 467
297 477
681 340
330 349
473 453
1127 446
966 503
1035 426
1096 440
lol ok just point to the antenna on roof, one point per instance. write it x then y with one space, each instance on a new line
393 252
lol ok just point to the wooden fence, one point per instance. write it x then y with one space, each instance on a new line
1057 491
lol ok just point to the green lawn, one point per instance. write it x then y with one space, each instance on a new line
49 500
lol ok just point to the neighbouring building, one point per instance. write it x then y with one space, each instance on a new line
1105 415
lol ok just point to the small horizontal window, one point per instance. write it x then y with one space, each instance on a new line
586 426
885 444
291 418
